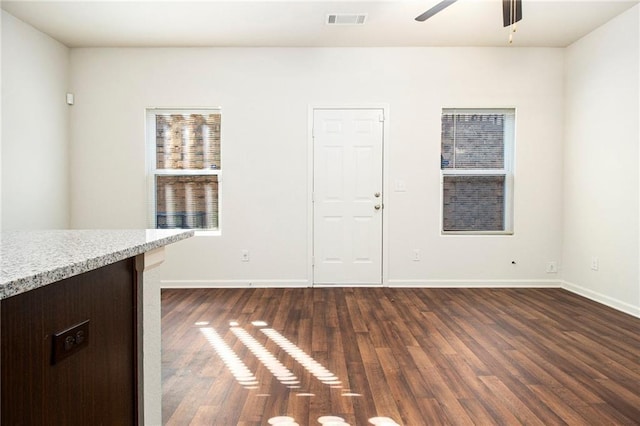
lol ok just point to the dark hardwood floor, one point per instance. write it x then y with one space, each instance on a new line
397 356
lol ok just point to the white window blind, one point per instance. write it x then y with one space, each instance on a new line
185 151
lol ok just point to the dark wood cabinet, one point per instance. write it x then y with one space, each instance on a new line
96 383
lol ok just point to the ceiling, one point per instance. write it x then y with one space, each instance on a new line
293 23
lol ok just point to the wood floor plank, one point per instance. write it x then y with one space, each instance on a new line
476 411
566 413
512 402
357 319
561 397
404 399
445 391
416 356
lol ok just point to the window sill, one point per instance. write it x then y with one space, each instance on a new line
215 233
476 233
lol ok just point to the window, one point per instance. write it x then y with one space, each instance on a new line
184 150
476 162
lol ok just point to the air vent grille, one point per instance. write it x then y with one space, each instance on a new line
346 18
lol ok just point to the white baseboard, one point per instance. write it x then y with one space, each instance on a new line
233 283
476 283
347 285
601 298
391 283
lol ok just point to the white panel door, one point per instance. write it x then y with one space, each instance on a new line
347 185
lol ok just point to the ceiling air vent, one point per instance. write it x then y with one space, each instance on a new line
346 18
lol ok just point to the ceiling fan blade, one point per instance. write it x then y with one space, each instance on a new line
435 9
508 16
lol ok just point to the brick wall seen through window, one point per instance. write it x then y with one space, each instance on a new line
187 168
475 150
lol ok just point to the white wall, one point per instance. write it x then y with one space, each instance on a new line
601 177
35 132
265 94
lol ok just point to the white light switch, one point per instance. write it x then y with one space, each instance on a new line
400 186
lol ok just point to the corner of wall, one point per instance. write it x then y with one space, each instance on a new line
35 78
627 308
601 183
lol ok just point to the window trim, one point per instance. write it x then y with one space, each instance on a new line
152 172
507 171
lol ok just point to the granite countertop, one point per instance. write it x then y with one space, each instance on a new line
32 259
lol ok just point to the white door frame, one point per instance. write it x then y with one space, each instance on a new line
385 184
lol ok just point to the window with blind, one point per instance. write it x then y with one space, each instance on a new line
476 162
184 148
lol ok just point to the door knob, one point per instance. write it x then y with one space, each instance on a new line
377 207
377 195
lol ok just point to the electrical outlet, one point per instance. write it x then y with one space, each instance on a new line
552 267
244 255
69 341
595 264
416 255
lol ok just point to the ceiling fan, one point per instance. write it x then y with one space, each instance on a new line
511 11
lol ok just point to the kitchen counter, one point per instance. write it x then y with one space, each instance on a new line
73 306
33 259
